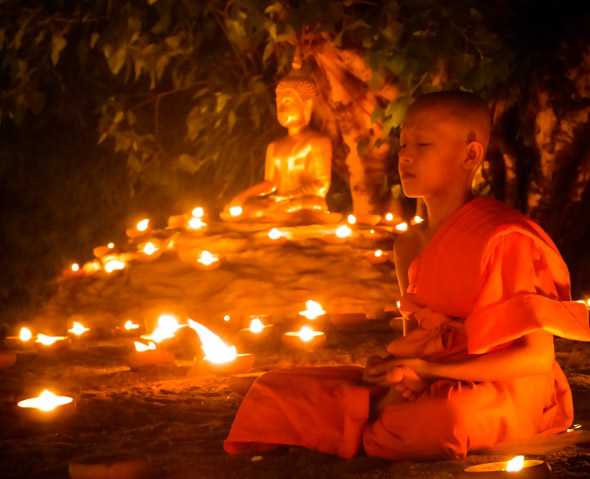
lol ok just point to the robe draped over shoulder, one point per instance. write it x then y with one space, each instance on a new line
487 277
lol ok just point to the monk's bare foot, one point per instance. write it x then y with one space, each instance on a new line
407 383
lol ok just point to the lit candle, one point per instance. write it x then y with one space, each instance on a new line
340 235
198 212
276 236
220 358
207 261
51 343
166 329
16 342
235 211
113 263
305 338
78 329
351 219
377 256
417 219
147 356
92 267
101 251
47 407
149 250
401 227
141 228
517 468
389 217
197 224
313 310
256 332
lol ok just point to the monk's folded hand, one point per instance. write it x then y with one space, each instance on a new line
407 382
371 375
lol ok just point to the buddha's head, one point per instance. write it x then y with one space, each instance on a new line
295 98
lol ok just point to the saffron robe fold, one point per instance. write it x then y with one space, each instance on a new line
487 277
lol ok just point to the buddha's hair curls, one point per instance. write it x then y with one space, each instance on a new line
299 81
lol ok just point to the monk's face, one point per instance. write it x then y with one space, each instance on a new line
291 110
432 148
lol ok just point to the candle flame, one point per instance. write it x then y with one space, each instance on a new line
401 227
235 210
215 349
25 334
226 317
92 266
207 258
114 265
418 219
196 223
48 340
47 401
515 464
167 326
306 334
378 253
129 325
143 225
111 245
78 329
372 232
149 248
140 347
75 267
256 325
313 310
351 219
398 304
198 212
274 234
343 231
389 217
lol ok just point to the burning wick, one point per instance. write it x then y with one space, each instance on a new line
516 467
149 248
351 219
114 265
129 325
47 401
143 225
49 340
226 318
401 227
78 329
25 334
418 219
75 267
389 217
208 260
196 223
378 253
256 325
305 337
515 464
235 210
313 311
343 231
167 327
274 234
198 212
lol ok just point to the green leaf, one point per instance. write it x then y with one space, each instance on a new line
58 43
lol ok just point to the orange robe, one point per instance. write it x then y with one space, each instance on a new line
487 277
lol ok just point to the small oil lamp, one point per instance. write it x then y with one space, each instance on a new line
101 251
78 329
92 267
147 356
235 211
52 343
113 263
389 217
166 329
198 212
516 468
351 219
46 408
149 250
16 342
141 228
377 256
208 261
220 358
401 227
257 331
275 236
416 220
73 271
305 338
313 310
341 234
196 224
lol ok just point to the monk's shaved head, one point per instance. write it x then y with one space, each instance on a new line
468 110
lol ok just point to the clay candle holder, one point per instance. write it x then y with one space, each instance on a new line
46 408
110 466
305 338
20 341
147 356
140 229
52 343
516 468
257 332
220 358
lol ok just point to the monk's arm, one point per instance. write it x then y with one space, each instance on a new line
528 355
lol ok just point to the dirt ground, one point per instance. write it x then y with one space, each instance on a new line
180 416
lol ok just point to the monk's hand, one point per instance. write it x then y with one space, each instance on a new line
372 375
406 382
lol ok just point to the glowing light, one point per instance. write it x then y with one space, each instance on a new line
398 304
198 212
256 325
306 334
114 265
226 318
78 329
25 334
313 311
235 210
129 325
401 227
75 267
389 217
47 401
351 219
343 231
206 258
274 234
149 248
48 340
144 347
92 266
418 219
111 245
196 223
215 349
372 232
574 427
515 464
143 225
378 253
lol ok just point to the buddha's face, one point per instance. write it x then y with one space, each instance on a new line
292 111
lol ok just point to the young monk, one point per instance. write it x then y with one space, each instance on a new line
484 291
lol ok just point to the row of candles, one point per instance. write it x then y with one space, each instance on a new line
109 261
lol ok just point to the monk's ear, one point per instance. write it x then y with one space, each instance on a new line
475 154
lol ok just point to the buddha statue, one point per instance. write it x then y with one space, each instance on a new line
297 167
